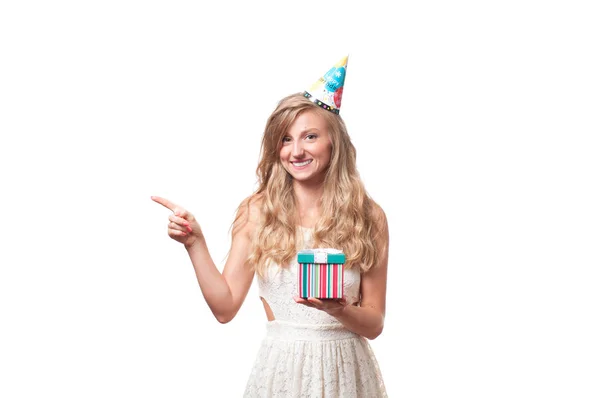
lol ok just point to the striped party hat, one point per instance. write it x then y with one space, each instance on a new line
327 91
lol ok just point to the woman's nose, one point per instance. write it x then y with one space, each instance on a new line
298 149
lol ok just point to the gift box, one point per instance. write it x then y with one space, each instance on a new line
321 273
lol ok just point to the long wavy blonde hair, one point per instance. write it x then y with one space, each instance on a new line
346 218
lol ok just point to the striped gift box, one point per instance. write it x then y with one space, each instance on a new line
321 273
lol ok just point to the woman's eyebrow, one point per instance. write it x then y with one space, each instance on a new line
310 130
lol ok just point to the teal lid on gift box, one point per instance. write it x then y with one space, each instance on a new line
321 256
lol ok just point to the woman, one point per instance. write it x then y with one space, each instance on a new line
309 196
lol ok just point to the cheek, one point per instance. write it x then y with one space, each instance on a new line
327 152
283 153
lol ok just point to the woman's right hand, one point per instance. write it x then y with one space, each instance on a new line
182 226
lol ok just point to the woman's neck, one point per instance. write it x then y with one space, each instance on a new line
308 200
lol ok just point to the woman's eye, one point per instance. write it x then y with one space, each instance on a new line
311 136
286 139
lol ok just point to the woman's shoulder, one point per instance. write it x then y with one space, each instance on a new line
377 212
251 206
248 213
379 218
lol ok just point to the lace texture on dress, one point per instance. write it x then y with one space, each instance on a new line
307 352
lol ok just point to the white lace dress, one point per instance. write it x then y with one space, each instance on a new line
306 352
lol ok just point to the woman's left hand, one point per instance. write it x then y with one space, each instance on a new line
332 307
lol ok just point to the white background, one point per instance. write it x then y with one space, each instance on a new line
476 125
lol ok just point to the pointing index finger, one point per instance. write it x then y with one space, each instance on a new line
166 203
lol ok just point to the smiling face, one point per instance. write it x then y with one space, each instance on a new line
306 148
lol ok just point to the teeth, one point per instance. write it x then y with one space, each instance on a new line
301 164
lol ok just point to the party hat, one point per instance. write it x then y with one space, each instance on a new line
327 91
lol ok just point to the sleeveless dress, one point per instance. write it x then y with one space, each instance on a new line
307 352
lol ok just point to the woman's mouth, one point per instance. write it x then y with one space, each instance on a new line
302 164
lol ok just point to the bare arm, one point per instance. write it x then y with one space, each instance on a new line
224 292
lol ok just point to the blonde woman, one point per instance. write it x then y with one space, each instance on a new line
309 196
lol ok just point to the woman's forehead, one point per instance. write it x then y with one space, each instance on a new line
308 121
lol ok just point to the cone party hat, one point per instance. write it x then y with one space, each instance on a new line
327 91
